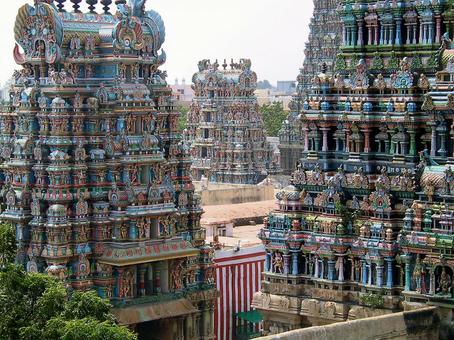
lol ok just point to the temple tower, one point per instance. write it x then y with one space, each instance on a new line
368 218
94 174
322 47
225 128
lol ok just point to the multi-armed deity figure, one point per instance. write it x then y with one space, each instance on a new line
225 128
94 175
368 221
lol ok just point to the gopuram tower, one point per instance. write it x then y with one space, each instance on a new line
94 175
322 47
366 227
225 127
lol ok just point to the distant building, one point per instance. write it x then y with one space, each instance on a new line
182 92
286 86
269 96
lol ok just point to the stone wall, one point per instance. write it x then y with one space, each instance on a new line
218 194
416 324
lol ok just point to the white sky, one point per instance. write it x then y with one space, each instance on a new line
272 33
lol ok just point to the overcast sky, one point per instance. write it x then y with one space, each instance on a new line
271 33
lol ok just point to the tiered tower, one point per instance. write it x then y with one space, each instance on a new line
325 39
95 176
225 128
367 223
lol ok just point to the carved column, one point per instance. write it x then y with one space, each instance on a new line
267 261
431 281
364 272
412 142
325 138
286 264
407 273
331 266
295 270
366 140
398 40
306 139
438 29
142 270
316 269
341 269
379 274
389 276
369 270
360 33
433 140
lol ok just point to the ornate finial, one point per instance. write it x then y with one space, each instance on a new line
106 4
225 64
76 5
91 5
232 64
120 2
60 5
324 68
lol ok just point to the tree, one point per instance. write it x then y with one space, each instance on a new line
37 306
182 123
8 246
273 116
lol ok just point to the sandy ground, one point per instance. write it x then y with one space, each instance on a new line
215 213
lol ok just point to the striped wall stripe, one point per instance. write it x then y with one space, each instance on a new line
238 277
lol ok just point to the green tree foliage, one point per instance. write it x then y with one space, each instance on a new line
182 119
7 244
37 306
273 116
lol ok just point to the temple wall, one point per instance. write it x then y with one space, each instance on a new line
217 194
417 324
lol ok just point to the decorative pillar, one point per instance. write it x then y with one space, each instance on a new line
433 141
438 30
306 140
325 139
408 35
142 270
364 272
407 273
412 142
382 31
369 270
369 35
267 262
421 40
295 263
389 276
286 264
331 265
360 33
322 268
341 269
398 32
431 281
366 141
316 269
379 274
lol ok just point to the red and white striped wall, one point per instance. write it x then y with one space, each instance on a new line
238 277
